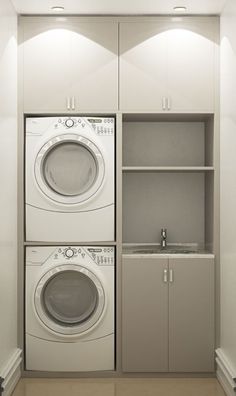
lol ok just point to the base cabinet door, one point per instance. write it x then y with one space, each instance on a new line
191 315
144 315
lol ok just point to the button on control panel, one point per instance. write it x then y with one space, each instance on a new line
69 123
69 253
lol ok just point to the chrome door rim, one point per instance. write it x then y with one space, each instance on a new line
44 151
75 329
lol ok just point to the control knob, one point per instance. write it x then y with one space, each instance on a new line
69 253
69 123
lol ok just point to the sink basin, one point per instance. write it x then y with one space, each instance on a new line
165 251
171 249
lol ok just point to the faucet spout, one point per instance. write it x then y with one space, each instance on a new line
163 238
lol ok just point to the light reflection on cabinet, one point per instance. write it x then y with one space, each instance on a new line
168 64
69 64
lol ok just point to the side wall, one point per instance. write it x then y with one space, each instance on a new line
9 354
227 351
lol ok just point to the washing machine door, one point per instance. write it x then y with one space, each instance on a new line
69 299
69 169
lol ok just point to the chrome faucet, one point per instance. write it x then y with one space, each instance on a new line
163 238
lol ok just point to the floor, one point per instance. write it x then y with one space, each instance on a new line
119 387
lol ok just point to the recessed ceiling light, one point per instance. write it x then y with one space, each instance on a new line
58 8
180 9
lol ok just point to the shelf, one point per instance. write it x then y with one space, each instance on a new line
167 169
70 243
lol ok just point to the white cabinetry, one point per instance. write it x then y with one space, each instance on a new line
69 64
168 64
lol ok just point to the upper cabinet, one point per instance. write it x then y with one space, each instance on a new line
69 64
161 64
168 64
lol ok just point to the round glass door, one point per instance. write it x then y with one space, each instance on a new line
69 169
69 299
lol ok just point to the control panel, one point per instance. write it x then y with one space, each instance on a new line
103 126
100 255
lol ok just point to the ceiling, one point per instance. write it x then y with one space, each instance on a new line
118 6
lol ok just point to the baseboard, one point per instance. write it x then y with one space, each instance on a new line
225 373
11 373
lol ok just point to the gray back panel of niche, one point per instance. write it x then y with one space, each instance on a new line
164 144
152 201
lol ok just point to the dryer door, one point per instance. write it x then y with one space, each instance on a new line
69 169
69 299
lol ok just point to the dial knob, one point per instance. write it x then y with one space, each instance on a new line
69 253
69 123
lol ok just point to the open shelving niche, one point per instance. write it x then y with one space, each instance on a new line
168 178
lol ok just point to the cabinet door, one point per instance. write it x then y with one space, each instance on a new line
94 65
144 315
66 58
191 315
46 65
170 58
143 62
191 64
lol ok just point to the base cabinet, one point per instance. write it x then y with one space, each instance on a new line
167 314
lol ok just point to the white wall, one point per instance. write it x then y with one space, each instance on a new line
228 182
8 185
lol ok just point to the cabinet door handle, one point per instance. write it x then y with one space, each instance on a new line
165 276
164 103
168 103
68 103
73 103
171 276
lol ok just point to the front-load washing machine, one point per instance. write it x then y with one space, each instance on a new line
69 308
69 179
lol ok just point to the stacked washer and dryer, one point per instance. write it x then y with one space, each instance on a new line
69 281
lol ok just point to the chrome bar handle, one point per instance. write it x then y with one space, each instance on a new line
165 275
73 103
168 103
171 276
68 103
164 103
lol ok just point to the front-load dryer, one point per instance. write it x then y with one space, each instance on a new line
69 308
69 179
